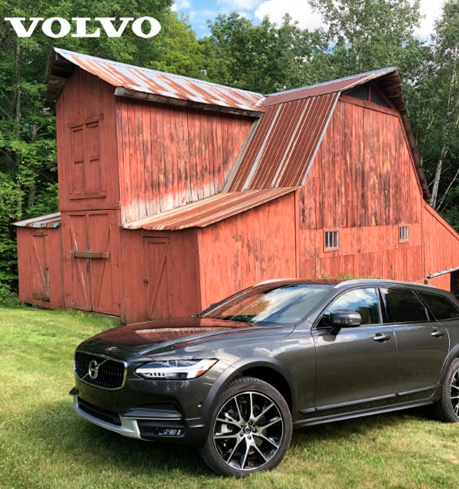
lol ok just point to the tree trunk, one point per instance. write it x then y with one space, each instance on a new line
17 123
436 183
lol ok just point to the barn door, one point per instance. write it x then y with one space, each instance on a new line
103 240
156 255
40 267
76 270
91 261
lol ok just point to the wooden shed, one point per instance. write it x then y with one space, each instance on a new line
175 192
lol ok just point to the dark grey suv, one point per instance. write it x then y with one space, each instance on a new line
236 378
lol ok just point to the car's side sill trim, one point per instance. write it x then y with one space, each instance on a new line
358 414
353 403
417 391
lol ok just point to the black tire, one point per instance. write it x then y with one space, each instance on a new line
247 443
447 408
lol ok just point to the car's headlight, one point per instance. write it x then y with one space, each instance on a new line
175 369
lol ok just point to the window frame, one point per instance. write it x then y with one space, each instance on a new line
431 314
326 232
316 326
404 227
429 319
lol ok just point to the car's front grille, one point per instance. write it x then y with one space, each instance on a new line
97 412
100 370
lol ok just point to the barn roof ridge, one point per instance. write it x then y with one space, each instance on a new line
149 84
64 52
379 72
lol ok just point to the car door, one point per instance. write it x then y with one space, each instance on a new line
422 342
357 365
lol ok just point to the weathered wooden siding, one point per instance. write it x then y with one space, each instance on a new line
362 183
171 156
174 268
86 145
441 247
39 263
241 251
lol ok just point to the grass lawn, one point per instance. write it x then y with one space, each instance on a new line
43 444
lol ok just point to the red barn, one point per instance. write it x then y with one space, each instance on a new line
175 192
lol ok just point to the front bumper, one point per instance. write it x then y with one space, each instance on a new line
179 411
128 427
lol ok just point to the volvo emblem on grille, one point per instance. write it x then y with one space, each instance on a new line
93 369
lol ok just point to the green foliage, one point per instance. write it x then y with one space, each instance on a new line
263 58
7 297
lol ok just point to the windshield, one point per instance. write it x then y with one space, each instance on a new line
284 304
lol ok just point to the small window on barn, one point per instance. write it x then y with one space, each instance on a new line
331 240
361 92
404 233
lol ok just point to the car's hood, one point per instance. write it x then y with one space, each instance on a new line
161 336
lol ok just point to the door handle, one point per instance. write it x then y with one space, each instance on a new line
437 334
381 337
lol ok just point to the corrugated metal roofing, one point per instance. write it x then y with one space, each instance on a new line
46 221
324 88
147 81
208 211
284 144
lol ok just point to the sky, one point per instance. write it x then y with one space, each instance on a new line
199 11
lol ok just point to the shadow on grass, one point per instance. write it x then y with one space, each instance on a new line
57 428
366 425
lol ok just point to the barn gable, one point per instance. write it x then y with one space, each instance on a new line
286 140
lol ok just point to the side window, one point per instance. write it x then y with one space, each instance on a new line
441 307
403 306
363 301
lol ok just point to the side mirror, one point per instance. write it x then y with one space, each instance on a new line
344 318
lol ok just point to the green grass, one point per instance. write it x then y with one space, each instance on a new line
43 444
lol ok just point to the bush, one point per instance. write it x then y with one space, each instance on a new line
7 296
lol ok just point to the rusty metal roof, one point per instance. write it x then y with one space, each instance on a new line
208 211
333 86
131 80
46 221
284 144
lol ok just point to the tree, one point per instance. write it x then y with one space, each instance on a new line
371 34
263 58
437 115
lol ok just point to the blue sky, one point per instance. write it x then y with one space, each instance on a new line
199 11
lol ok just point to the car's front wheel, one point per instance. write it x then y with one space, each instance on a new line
251 429
447 408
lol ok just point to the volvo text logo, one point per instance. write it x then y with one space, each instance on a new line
57 27
93 369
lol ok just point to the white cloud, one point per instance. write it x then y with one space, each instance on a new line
232 5
181 5
300 10
432 10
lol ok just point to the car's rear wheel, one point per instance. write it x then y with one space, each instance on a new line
251 429
447 408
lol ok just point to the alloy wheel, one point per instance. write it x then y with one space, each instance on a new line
248 431
455 392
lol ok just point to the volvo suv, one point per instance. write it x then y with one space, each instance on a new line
238 377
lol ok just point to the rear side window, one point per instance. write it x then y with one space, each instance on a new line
403 306
441 307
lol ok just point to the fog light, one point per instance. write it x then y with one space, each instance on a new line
169 432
